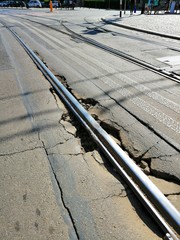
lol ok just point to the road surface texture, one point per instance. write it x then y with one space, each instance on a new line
55 182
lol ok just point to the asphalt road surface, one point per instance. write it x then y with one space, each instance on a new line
56 182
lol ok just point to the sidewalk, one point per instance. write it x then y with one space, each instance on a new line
166 25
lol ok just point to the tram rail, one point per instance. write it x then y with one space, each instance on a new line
148 66
173 76
127 57
157 204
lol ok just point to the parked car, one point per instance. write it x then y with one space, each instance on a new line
68 4
16 3
4 4
55 4
34 4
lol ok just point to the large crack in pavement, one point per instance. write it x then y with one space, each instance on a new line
121 135
111 127
61 192
64 204
69 121
87 144
22 151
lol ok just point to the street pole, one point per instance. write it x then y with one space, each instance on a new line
125 7
143 7
120 14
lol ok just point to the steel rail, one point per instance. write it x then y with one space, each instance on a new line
162 204
125 56
96 26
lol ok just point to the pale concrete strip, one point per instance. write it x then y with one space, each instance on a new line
31 205
29 209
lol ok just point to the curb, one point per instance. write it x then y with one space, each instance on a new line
142 30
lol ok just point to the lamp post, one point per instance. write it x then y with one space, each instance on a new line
120 14
125 7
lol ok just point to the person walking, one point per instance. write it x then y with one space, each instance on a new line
156 5
150 6
132 6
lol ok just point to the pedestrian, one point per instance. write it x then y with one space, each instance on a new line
167 4
149 6
156 5
132 6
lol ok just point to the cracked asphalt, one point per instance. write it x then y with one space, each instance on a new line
53 185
